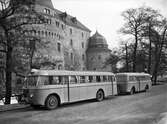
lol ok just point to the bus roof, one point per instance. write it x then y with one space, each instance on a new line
134 74
66 72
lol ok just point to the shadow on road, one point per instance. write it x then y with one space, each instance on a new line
66 105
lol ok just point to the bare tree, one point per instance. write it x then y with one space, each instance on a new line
152 21
161 39
134 20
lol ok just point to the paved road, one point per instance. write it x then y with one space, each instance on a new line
141 108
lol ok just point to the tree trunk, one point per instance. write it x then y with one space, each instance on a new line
150 49
158 58
8 73
135 51
127 65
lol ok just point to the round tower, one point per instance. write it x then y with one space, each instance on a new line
97 53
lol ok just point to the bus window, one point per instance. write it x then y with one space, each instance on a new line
32 80
90 79
110 79
73 79
132 78
105 78
57 80
113 78
82 79
98 79
66 79
121 78
50 79
44 80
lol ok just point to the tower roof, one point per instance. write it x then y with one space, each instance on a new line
97 39
47 3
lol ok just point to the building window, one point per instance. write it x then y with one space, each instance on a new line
62 26
83 57
59 37
70 31
71 42
47 11
82 34
82 44
71 56
48 21
46 34
39 33
43 33
57 23
35 32
59 47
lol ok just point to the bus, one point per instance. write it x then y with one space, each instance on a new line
50 88
133 82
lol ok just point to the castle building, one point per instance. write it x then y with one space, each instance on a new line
70 44
97 53
67 36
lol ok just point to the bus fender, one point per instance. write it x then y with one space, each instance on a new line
55 94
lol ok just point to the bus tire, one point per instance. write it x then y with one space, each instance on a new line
51 102
99 95
132 91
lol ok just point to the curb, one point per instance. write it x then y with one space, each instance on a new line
11 107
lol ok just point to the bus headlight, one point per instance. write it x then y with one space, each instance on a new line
31 95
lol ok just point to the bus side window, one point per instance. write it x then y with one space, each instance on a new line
50 79
90 79
73 79
104 78
65 79
110 79
86 79
98 79
46 80
113 78
82 79
55 80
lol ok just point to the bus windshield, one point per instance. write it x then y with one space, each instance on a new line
31 80
44 80
121 78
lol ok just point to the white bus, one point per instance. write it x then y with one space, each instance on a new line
133 82
51 88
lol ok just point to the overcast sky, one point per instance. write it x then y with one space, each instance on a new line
105 15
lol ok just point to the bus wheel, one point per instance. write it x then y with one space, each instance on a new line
100 95
132 91
51 102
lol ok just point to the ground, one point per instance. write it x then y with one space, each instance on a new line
141 108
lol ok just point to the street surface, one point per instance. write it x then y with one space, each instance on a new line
141 108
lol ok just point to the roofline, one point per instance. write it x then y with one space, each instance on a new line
133 73
66 72
86 29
